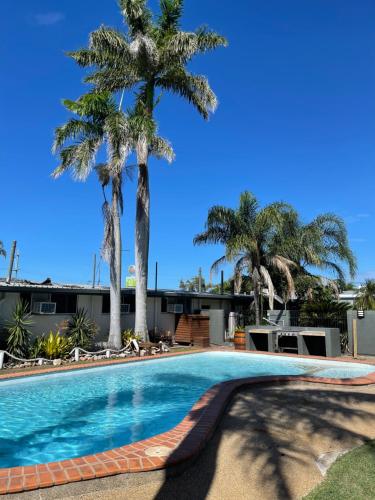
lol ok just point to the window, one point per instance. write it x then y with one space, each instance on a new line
66 303
177 305
26 298
106 304
125 299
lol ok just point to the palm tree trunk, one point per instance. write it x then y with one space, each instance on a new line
142 236
114 339
256 299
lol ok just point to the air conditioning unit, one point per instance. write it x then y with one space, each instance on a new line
44 307
125 308
175 308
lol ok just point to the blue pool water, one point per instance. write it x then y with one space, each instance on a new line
65 415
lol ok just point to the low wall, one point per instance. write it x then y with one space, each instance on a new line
330 337
365 332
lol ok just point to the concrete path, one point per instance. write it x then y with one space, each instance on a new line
265 448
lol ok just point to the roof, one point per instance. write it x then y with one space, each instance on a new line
48 286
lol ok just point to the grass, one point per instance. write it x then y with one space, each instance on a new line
351 477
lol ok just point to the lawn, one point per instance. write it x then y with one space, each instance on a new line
351 477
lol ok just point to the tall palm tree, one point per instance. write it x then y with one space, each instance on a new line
2 249
100 122
77 143
251 236
366 296
152 55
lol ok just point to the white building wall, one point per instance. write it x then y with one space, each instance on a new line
43 324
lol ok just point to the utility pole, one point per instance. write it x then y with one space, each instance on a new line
222 282
200 280
94 271
11 262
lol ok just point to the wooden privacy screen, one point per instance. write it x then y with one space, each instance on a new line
193 329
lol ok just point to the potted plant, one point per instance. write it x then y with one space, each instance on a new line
240 338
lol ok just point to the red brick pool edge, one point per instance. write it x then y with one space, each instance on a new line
183 442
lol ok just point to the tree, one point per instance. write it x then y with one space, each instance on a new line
77 142
153 55
192 285
2 250
323 243
18 341
100 122
251 237
366 295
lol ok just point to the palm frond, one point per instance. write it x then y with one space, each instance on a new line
283 265
171 12
268 282
194 88
161 149
137 16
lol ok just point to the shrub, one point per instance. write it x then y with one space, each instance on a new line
81 329
36 350
128 335
18 341
54 346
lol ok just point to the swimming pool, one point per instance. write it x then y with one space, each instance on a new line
64 415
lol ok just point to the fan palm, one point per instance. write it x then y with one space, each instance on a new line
153 55
251 237
366 296
77 143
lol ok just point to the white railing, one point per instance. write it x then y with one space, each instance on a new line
131 347
40 361
76 351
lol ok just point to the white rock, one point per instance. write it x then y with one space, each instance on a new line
56 362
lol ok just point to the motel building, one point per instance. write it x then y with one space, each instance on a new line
51 304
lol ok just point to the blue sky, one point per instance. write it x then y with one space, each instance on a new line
296 122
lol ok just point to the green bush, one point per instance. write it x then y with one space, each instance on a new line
53 346
81 329
128 335
18 341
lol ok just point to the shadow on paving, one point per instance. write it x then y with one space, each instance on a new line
264 419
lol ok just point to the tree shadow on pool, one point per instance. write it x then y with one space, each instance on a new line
263 423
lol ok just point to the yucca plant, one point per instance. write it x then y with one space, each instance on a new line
81 329
18 330
56 346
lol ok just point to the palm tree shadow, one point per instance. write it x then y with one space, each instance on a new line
264 421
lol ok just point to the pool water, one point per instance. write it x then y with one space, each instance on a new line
65 415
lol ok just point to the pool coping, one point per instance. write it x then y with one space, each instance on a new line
182 443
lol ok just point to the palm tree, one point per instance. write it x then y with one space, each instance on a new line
323 243
77 143
2 249
366 296
251 237
153 55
